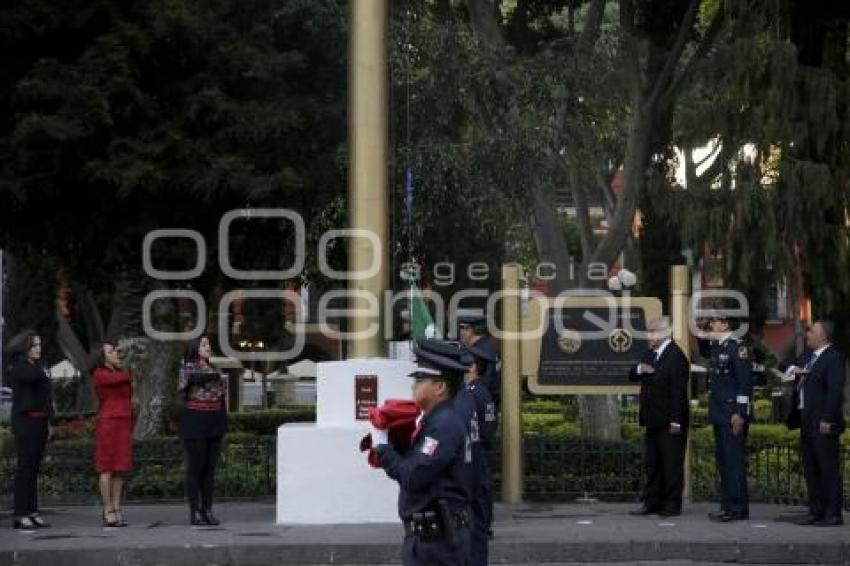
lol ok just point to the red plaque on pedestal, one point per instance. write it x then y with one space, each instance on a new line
365 395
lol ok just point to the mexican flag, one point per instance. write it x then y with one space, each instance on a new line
421 324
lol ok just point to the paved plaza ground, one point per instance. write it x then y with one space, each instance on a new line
598 533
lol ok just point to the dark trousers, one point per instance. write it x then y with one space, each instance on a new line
30 440
821 467
731 459
201 459
665 472
482 516
448 552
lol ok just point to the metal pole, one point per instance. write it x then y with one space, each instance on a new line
679 299
511 405
368 110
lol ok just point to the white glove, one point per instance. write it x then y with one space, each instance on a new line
379 436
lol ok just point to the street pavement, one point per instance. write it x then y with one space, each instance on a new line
526 534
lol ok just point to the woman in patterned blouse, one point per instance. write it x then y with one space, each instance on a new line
202 425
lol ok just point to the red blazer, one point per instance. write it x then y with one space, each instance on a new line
114 391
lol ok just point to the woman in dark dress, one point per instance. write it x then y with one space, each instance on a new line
202 425
32 407
113 456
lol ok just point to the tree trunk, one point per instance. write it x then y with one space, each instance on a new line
73 349
154 367
599 416
634 171
550 242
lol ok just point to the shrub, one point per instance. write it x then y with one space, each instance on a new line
762 410
547 406
246 469
266 422
69 429
7 443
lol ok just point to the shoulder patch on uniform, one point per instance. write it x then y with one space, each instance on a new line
429 446
743 352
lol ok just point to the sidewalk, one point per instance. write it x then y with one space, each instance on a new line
525 534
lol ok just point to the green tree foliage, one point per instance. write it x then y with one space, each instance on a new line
118 118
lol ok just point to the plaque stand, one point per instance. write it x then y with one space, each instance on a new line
322 477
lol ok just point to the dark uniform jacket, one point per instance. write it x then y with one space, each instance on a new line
664 393
730 381
437 466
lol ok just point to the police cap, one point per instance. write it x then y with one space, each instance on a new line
439 359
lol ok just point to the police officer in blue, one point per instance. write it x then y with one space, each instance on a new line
473 332
730 387
476 406
433 475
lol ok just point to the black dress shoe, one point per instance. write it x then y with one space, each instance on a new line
39 522
717 515
729 517
24 524
642 511
195 519
208 517
808 519
828 522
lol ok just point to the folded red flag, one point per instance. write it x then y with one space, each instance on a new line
398 418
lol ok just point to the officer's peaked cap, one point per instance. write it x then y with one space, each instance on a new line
474 319
435 358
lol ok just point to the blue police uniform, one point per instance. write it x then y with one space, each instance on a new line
433 477
476 408
730 387
492 377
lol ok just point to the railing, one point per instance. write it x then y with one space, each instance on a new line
246 470
567 469
556 469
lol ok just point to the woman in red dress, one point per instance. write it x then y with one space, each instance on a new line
114 433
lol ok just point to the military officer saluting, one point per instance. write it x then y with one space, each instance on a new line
730 387
433 475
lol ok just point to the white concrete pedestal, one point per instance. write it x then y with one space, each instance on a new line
322 477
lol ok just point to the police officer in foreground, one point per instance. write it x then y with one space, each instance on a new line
473 332
433 475
730 387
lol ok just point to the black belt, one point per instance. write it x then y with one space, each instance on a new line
430 525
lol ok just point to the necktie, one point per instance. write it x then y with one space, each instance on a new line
801 384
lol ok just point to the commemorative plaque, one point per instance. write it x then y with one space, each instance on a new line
365 395
588 344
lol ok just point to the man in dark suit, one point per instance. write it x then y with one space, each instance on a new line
664 411
818 400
